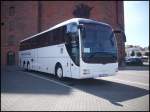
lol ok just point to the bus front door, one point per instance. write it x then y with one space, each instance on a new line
74 63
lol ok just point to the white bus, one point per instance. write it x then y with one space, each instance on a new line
77 48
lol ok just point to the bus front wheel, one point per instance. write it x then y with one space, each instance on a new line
59 72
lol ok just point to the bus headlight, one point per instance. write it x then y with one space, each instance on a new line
86 71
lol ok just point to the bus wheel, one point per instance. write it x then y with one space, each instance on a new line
23 64
28 65
59 72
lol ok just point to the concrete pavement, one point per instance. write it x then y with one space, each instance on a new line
22 90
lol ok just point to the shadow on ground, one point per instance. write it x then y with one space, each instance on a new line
112 91
137 68
18 81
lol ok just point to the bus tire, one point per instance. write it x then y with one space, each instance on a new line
23 64
28 65
59 71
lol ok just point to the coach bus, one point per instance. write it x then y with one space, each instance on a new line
77 48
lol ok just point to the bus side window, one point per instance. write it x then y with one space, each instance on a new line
46 38
50 38
54 37
64 32
34 43
38 41
61 34
58 35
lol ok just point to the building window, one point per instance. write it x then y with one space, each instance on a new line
12 11
11 40
11 25
2 23
10 58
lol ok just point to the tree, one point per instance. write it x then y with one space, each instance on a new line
138 54
82 11
133 53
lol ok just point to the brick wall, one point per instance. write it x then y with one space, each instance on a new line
31 17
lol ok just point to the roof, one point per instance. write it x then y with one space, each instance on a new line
67 22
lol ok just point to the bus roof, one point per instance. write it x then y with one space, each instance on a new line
65 23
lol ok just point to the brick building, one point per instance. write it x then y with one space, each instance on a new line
20 19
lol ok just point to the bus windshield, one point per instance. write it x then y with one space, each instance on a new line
98 43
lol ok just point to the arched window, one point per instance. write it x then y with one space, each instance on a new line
12 11
10 58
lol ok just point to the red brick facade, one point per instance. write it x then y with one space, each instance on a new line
20 19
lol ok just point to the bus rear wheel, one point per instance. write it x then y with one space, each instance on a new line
59 72
28 66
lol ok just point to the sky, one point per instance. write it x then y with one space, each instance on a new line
136 18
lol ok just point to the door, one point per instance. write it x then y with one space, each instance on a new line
72 46
10 58
74 62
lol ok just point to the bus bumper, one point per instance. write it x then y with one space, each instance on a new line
98 70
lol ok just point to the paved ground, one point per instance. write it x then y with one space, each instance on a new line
22 90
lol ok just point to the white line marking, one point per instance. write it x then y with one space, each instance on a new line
116 80
125 81
51 80
74 88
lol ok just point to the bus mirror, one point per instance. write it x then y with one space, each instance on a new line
72 28
80 26
82 29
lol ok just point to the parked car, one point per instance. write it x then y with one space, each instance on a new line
134 61
145 58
